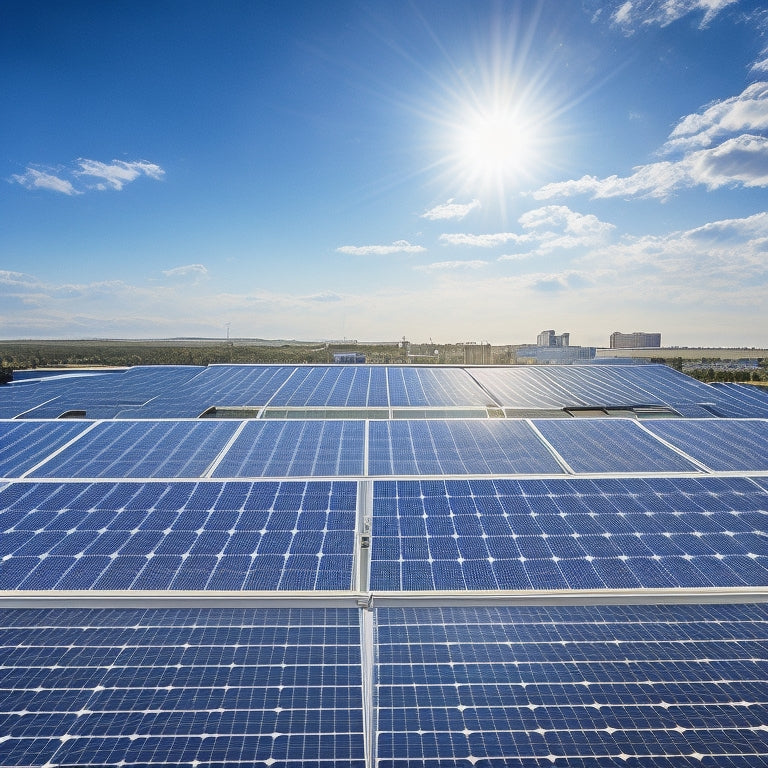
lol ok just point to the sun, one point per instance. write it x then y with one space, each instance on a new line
494 145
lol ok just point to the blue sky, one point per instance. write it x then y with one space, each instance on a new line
447 170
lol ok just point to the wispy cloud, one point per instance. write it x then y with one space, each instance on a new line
399 246
117 174
188 270
632 14
742 160
34 179
483 241
450 210
87 175
451 266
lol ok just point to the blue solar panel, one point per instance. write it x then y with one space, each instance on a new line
334 386
296 449
610 445
720 444
446 447
569 534
211 536
593 686
181 687
434 387
561 386
218 386
142 449
23 444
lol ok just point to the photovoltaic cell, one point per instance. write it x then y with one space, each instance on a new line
23 444
434 387
211 687
296 449
649 686
720 444
610 445
447 447
218 386
192 536
353 386
568 534
142 449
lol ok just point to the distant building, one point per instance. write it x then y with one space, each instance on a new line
551 339
635 340
477 354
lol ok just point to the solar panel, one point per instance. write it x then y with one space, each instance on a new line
142 449
296 449
218 385
615 445
189 536
568 534
720 444
434 387
354 386
583 686
23 444
192 687
448 447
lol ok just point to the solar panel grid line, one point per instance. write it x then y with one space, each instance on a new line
269 400
701 465
223 452
558 458
59 450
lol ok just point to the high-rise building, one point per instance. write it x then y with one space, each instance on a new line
551 339
634 340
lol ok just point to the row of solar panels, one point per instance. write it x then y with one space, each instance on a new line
661 686
189 391
423 535
316 448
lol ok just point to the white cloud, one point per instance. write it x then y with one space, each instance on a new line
76 180
623 14
746 112
118 173
483 241
34 179
399 246
549 228
741 160
630 15
188 270
451 266
450 210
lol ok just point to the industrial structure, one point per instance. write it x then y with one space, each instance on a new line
635 340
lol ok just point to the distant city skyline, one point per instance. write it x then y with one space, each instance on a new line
458 170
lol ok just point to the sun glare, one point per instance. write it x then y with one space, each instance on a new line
494 146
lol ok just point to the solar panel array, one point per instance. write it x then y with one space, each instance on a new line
188 391
382 591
